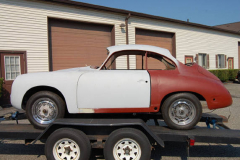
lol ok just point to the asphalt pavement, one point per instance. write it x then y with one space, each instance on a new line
17 150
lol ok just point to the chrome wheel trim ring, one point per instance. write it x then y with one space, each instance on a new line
66 149
182 112
44 111
127 149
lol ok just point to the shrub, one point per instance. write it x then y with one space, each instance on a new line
232 73
225 74
1 85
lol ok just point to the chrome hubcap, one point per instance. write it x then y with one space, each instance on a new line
127 149
182 112
66 149
44 111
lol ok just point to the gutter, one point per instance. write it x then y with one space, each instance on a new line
103 8
127 38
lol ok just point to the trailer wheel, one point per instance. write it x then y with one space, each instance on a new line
182 111
68 144
128 144
43 108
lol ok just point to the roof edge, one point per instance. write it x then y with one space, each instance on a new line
226 24
122 11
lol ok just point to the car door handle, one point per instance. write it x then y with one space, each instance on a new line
142 81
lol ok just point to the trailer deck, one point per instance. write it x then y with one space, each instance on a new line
199 134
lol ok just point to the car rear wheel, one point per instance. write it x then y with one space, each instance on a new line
43 108
181 111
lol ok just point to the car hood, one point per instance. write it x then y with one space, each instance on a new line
59 74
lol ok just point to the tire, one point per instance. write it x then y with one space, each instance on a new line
129 139
58 146
49 105
181 111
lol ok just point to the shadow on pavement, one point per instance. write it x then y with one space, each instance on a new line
174 149
171 149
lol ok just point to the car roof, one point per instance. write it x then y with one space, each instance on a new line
149 48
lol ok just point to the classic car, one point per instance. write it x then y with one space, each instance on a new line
155 83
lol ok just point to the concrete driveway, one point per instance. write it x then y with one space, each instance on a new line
15 149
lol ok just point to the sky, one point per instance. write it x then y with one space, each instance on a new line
206 12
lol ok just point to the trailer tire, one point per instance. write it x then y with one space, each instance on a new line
67 142
127 142
53 108
182 111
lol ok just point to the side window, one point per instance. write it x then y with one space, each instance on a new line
158 62
140 62
118 59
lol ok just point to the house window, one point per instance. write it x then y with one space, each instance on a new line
12 67
188 59
202 60
221 60
230 63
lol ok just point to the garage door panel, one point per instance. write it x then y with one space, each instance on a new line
81 43
75 44
77 33
61 24
155 38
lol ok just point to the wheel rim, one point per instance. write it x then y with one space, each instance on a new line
127 149
66 149
44 111
182 111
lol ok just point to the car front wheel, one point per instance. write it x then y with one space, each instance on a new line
182 111
43 108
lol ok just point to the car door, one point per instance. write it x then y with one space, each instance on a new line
114 89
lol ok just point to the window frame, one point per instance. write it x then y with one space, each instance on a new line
202 59
188 56
232 58
146 61
23 62
219 62
5 66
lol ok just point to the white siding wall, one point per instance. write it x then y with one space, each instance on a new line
192 40
23 26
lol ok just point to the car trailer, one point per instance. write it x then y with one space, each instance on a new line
127 139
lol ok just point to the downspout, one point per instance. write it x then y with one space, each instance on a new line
127 41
